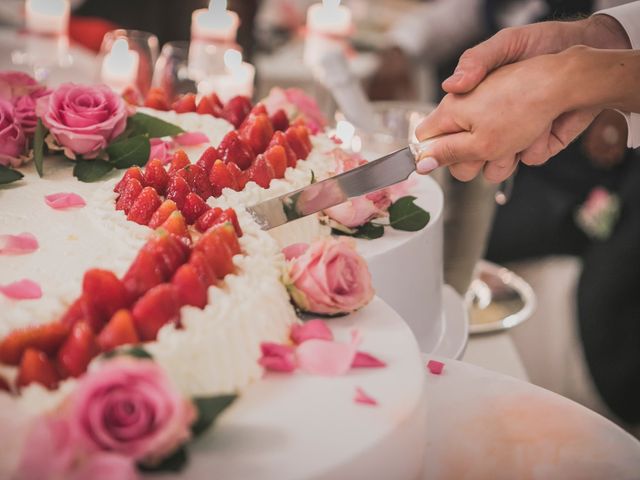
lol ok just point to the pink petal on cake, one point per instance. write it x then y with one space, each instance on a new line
294 250
22 290
18 244
62 201
435 367
191 138
363 398
326 358
366 360
277 358
317 329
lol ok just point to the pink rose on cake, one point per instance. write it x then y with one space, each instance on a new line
129 407
328 277
23 92
13 142
297 105
360 210
83 119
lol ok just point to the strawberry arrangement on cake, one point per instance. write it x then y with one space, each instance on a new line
140 300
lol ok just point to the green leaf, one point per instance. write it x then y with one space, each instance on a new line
173 463
91 170
129 152
405 215
8 175
38 147
208 410
313 177
135 351
368 231
141 123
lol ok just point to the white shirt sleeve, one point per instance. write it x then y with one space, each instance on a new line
628 16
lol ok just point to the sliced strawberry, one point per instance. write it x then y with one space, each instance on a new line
207 107
119 331
279 138
180 160
128 195
156 176
261 172
277 158
74 313
177 225
132 96
297 143
236 110
132 172
178 190
4 385
279 120
190 287
144 273
220 177
157 99
155 309
259 109
193 207
215 101
162 213
145 205
257 131
208 219
36 367
305 136
229 215
217 250
197 180
203 268
47 338
104 294
233 149
77 351
186 103
207 159
228 233
170 252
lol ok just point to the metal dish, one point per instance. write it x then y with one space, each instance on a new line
497 299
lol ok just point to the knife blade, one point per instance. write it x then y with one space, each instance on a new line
375 175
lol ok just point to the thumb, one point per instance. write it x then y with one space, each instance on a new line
477 62
445 150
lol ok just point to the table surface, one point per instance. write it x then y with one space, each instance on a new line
495 352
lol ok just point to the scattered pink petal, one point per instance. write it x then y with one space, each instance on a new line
189 139
366 360
435 367
363 398
277 358
62 201
18 244
327 358
160 150
294 250
313 329
22 290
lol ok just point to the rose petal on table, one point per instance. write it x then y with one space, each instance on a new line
189 139
21 290
277 357
20 244
366 360
294 251
63 201
313 329
435 367
325 358
364 398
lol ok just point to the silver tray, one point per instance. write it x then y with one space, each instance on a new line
497 299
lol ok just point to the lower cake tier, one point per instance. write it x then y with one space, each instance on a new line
298 427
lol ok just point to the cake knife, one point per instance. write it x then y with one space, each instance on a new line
375 175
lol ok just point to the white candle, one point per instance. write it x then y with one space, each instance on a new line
215 23
237 80
47 17
120 66
329 18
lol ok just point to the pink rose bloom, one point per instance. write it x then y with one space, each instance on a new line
23 92
360 210
12 139
297 104
129 407
330 278
83 120
105 466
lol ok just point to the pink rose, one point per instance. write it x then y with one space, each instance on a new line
12 140
129 407
83 120
105 466
23 92
330 278
358 211
297 104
